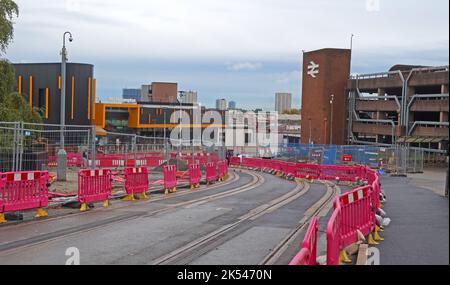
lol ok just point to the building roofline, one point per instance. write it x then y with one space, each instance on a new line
51 63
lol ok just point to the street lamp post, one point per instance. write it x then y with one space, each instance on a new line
331 119
310 131
62 155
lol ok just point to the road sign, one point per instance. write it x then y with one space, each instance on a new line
347 158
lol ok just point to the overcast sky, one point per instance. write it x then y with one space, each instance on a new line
241 50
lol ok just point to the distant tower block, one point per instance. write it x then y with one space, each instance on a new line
325 73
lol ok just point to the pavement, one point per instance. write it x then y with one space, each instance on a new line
432 179
419 231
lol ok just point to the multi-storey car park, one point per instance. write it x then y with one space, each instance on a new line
408 105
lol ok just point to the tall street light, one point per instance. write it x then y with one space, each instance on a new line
331 119
62 155
310 131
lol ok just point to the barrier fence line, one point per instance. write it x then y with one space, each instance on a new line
136 182
354 212
94 186
21 191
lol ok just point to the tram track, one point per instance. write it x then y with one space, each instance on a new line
235 178
199 247
194 248
319 209
8 248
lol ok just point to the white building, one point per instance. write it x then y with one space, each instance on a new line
189 97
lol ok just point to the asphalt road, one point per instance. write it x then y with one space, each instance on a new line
133 234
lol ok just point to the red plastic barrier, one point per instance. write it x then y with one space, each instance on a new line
195 175
21 191
221 169
136 180
308 253
344 173
310 171
254 163
235 161
334 240
211 172
353 212
94 185
170 178
75 160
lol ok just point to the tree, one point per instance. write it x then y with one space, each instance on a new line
13 107
8 10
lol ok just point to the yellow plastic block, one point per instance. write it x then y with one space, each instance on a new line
41 213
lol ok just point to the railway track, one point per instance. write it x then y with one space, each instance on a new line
7 248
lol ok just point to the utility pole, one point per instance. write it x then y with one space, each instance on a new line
310 131
331 119
62 155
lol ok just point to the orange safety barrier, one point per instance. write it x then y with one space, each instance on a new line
94 186
21 191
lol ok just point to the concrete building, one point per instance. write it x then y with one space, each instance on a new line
289 129
40 84
325 73
408 105
189 97
221 104
283 102
131 94
160 92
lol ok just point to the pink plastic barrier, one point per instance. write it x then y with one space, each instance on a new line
221 168
195 174
344 173
310 171
75 160
353 212
94 185
334 240
235 161
211 172
308 253
255 163
136 180
170 176
23 191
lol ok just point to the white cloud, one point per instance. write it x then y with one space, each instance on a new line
293 76
251 30
245 66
